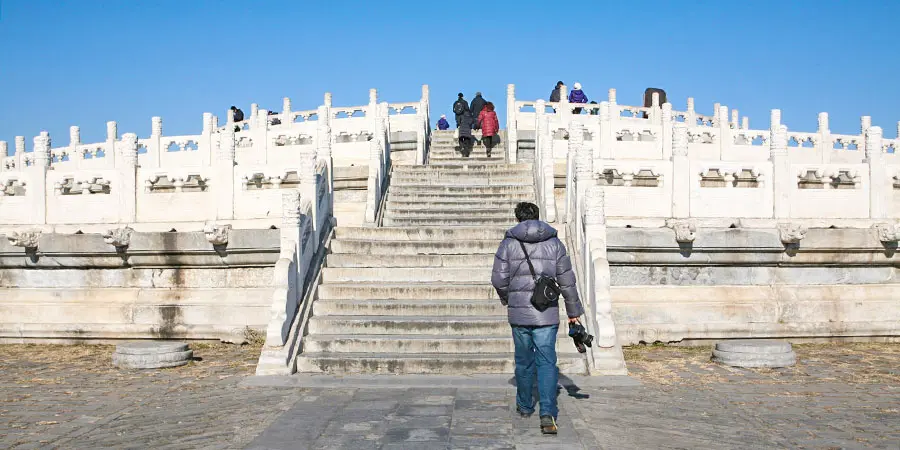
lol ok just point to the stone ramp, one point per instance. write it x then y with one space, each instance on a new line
414 296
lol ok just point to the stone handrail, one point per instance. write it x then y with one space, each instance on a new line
379 164
662 167
159 181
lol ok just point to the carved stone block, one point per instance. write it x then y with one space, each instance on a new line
26 239
685 230
217 234
119 237
791 233
887 232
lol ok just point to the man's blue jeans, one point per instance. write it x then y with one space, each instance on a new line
536 353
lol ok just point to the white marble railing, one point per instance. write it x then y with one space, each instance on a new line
662 167
218 175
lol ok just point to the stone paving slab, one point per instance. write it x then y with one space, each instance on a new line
495 381
838 396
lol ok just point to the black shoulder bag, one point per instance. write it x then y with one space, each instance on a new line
546 290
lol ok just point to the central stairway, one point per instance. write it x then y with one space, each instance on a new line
414 296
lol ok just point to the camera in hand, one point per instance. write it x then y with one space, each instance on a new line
580 336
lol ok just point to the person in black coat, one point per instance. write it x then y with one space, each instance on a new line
459 107
477 105
466 140
554 96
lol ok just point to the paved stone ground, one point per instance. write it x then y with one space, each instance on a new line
839 396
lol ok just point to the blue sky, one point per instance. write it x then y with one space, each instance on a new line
86 62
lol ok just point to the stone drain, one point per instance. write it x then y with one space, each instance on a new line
151 354
754 353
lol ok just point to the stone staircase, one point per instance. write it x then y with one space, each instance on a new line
414 296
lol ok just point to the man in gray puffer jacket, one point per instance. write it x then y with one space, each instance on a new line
534 332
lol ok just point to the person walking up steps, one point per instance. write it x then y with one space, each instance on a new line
529 252
477 106
466 140
460 106
489 127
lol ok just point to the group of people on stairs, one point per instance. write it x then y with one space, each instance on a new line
480 115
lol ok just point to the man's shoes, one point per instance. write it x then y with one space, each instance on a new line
548 425
523 415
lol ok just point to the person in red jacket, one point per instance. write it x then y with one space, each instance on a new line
490 126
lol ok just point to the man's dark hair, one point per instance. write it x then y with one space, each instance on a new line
460 95
527 211
559 83
233 107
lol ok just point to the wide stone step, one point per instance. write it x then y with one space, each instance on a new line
461 222
484 259
450 214
402 291
413 325
461 199
409 307
426 204
381 248
407 274
474 168
438 189
458 173
438 159
456 364
374 344
465 181
419 233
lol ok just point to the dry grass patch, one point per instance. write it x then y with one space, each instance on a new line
854 363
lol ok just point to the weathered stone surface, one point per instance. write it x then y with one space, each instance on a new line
754 353
151 354
150 347
754 359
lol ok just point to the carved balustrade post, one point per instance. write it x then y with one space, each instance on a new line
726 137
112 135
154 144
607 134
37 174
224 183
655 108
691 116
128 192
667 120
880 185
584 174
20 152
824 146
74 141
206 145
323 144
512 127
783 182
548 168
682 178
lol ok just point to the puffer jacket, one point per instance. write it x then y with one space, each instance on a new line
466 122
489 123
577 96
513 281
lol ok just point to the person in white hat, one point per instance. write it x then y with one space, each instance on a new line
443 124
577 96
